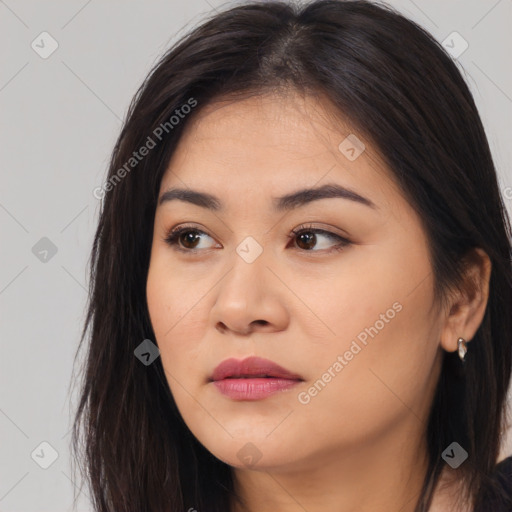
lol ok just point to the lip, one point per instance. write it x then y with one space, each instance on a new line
253 378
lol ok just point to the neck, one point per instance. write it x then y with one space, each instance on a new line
384 475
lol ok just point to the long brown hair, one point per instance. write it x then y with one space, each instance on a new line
402 91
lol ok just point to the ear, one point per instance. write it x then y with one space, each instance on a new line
467 306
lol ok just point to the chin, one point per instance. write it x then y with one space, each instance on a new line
253 450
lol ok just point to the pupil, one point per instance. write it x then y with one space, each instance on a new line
308 238
189 236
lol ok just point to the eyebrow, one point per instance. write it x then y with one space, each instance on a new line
286 202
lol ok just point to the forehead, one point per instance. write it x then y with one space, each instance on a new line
271 145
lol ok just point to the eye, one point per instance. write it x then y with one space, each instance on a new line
307 237
185 238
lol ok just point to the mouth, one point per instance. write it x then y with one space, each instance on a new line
253 378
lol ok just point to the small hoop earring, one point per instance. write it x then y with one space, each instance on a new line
462 348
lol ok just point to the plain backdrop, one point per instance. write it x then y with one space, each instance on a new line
60 116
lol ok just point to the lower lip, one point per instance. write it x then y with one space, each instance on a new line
253 389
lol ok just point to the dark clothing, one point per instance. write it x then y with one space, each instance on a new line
498 499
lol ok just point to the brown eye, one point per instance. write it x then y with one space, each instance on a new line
307 237
185 239
189 238
306 240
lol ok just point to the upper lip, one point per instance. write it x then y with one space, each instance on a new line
251 367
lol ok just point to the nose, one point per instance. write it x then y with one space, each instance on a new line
250 298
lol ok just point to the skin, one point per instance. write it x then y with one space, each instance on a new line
358 444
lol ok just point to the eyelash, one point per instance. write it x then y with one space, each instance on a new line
172 238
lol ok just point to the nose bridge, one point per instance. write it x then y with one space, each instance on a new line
246 294
248 269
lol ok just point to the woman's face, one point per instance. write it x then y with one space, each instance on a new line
351 321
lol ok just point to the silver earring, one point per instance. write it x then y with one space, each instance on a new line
462 349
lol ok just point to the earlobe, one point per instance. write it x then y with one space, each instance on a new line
468 305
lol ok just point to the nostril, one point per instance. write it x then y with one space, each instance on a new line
221 327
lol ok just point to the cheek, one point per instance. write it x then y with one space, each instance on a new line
373 385
172 298
174 305
377 362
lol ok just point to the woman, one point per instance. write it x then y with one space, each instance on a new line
301 282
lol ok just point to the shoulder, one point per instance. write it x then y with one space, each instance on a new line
498 496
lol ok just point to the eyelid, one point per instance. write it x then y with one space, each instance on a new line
173 234
309 226
342 241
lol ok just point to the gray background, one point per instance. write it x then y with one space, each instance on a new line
60 118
